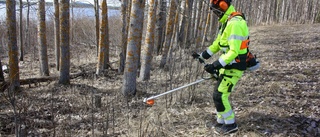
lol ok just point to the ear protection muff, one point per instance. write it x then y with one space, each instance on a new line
223 5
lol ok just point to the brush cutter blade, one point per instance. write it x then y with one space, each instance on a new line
148 101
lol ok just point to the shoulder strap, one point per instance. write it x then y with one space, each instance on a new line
233 14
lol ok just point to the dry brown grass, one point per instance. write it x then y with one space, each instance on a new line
280 99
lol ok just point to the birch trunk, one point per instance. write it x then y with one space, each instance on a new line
65 42
12 45
134 44
169 32
188 34
27 33
56 33
42 41
160 26
21 29
204 38
198 18
103 57
124 36
149 42
183 25
97 18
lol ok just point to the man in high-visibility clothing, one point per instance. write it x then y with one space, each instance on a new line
232 40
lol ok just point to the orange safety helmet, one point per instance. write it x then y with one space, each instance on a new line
219 7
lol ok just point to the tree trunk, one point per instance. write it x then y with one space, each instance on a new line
160 25
43 57
96 14
183 21
72 21
176 27
1 72
12 45
56 33
190 23
134 44
65 42
103 57
193 21
315 12
21 30
276 12
169 32
204 38
282 11
213 27
27 33
186 41
202 20
106 38
149 42
198 19
124 36
202 25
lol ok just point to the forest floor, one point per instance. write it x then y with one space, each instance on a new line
282 98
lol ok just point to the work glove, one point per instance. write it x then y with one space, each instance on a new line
217 65
210 69
197 56
213 68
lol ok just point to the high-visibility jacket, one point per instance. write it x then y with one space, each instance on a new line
233 33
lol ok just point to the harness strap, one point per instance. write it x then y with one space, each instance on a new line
244 44
233 14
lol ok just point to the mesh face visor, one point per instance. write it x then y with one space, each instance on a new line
216 10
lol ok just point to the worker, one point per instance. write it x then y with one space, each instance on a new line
232 40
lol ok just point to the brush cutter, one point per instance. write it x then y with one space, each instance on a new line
150 100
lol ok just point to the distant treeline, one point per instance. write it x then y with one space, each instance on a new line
279 11
74 4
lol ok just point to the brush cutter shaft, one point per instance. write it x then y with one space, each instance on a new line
173 90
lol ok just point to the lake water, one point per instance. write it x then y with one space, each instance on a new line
78 12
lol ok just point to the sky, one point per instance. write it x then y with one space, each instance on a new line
113 2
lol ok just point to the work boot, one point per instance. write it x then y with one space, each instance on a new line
227 129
